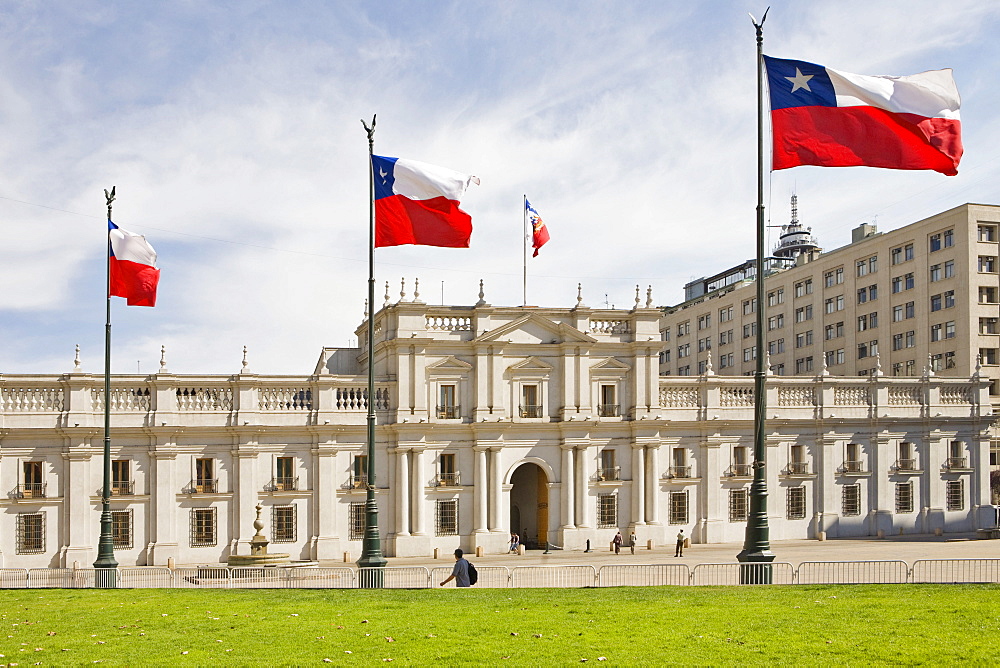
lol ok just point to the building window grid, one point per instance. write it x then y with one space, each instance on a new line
121 529
904 497
204 527
678 507
446 517
284 524
739 505
607 511
30 533
795 499
851 500
955 495
356 520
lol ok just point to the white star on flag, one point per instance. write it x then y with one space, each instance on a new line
800 80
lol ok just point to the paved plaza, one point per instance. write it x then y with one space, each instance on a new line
906 548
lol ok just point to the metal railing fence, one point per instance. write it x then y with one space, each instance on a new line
939 571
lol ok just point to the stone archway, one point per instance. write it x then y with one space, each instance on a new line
529 504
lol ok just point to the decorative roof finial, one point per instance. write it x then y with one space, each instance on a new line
929 369
416 291
366 308
163 359
768 371
386 303
636 297
402 289
246 364
709 370
482 294
878 366
649 297
979 366
579 296
76 360
824 369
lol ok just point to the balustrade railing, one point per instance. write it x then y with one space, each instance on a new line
122 487
609 410
905 465
740 471
449 412
679 472
958 463
283 484
853 466
530 411
452 479
612 473
32 399
29 490
203 486
357 481
798 468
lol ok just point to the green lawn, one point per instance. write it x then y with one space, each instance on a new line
887 624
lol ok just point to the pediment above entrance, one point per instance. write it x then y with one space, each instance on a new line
534 329
450 364
530 364
609 366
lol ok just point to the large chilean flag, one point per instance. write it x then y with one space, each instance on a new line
821 116
132 271
417 203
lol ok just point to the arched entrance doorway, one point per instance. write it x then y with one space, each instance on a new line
529 504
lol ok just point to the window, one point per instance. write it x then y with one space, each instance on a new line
741 461
834 357
750 354
908 281
204 473
683 350
776 321
897 369
665 334
862 323
30 533
203 527
904 497
684 328
834 277
776 297
987 233
835 330
949 268
935 242
902 254
867 349
911 366
935 303
739 505
446 517
665 357
607 511
937 362
749 306
285 479
868 294
778 369
949 238
749 330
795 499
121 479
866 266
987 295
725 337
608 470
988 356
935 272
803 339
704 344
897 284
726 314
949 299
530 403
447 408
609 403
989 326
907 457
803 288
955 494
804 313
862 295
33 486
283 524
684 370
121 529
908 310
704 321
359 472
447 473
679 507
834 304
804 364
936 334
776 347
727 360
851 500
356 520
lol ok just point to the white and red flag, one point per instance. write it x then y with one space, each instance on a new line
132 271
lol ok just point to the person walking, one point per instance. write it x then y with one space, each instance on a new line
618 540
679 550
460 573
631 542
515 540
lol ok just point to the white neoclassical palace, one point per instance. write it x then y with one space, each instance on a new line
551 422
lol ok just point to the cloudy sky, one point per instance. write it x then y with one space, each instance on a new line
232 133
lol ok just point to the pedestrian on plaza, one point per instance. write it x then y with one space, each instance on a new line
631 542
618 540
515 540
460 573
679 550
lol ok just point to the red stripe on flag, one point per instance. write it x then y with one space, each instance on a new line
429 222
864 136
133 281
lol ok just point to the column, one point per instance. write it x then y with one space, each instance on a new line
568 497
583 506
402 492
81 525
638 485
418 492
480 491
163 508
652 480
496 485
325 507
243 510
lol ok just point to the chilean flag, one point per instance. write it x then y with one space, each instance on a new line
132 271
539 232
417 203
821 116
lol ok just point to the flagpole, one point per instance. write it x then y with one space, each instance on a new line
756 546
524 248
371 552
106 575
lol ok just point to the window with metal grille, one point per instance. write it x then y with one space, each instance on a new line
904 497
795 500
851 500
203 527
607 510
739 506
356 521
956 495
283 524
446 517
30 533
121 529
679 507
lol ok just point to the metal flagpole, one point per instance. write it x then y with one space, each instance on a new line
756 546
106 574
371 552
524 248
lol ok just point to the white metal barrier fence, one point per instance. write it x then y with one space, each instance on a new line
943 571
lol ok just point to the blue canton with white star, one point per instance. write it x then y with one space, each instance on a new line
796 83
383 170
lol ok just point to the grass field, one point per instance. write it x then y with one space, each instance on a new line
860 624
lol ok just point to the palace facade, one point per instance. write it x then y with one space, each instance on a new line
551 422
